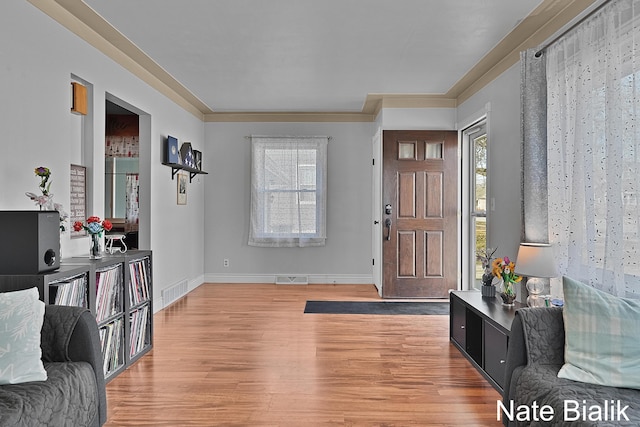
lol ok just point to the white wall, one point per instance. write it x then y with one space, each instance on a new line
502 97
346 258
418 118
38 57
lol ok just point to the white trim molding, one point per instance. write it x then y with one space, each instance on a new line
314 279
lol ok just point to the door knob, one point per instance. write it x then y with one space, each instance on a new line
387 223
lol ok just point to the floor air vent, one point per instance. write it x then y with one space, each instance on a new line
292 280
174 293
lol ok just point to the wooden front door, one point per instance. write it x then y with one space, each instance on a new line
419 219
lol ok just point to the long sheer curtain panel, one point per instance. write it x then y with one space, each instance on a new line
288 191
593 134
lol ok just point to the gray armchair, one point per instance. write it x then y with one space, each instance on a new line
74 393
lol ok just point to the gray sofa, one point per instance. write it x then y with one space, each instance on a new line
74 393
534 357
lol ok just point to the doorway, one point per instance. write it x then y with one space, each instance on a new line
122 172
419 221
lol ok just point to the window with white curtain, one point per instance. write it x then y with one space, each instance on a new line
288 191
593 134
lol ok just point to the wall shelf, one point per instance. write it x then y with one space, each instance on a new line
175 168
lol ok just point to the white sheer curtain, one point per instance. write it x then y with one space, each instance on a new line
288 191
593 133
132 197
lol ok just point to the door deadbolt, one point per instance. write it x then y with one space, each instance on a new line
387 209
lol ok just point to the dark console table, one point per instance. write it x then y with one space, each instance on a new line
479 327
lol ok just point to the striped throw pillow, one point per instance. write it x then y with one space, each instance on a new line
602 337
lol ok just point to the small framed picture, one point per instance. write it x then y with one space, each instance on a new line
182 189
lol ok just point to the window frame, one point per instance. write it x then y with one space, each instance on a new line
261 230
470 214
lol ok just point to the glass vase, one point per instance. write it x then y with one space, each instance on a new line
507 293
95 250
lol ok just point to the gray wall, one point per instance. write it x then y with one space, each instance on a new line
502 98
38 58
346 258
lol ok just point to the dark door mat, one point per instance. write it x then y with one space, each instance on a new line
367 307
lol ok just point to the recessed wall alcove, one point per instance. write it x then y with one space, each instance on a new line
127 166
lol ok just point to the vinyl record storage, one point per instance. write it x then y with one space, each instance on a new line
117 289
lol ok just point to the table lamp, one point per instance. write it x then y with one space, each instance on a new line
535 261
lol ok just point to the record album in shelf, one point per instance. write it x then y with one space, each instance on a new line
186 155
171 153
69 291
197 156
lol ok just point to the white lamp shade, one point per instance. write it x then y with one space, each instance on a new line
536 260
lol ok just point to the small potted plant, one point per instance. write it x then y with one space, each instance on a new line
45 201
485 256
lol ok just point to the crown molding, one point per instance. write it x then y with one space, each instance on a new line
372 107
549 17
82 20
250 116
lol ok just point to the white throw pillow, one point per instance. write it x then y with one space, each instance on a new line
21 317
602 337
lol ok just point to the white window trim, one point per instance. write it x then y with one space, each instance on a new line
468 259
258 236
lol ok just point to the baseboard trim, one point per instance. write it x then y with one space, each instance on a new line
342 279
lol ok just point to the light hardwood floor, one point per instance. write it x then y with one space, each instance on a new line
247 355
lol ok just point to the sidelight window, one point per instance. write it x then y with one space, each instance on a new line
475 202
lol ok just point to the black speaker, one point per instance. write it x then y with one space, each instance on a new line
29 241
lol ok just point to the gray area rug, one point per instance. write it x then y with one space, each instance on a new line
374 307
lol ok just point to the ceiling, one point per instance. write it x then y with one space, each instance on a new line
349 57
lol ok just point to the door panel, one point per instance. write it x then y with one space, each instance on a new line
434 254
420 184
407 198
434 197
406 254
